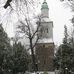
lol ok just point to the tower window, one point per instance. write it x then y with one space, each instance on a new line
47 30
44 46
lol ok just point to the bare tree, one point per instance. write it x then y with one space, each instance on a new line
19 9
25 8
20 6
32 34
69 3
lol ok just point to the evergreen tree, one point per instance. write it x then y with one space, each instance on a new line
12 59
63 56
71 43
20 59
4 50
65 40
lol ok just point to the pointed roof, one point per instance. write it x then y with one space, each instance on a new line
44 5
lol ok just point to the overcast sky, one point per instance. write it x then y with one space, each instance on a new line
58 13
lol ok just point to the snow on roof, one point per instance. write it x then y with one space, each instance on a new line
45 40
45 19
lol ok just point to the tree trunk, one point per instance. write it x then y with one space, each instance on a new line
33 56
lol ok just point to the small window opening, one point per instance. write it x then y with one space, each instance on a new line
44 46
47 30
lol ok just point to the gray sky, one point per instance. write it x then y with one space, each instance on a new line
58 13
61 16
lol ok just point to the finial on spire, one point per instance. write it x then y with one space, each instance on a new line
44 5
44 0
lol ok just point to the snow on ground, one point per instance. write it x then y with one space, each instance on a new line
42 73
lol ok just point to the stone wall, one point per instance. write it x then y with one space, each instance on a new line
45 55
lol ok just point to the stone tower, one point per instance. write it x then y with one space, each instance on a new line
45 45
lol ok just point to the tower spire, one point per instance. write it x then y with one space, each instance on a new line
45 9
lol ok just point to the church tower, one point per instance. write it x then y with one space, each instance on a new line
45 45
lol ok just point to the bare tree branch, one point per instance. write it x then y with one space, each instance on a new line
38 25
70 3
36 41
7 4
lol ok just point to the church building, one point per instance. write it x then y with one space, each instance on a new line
45 44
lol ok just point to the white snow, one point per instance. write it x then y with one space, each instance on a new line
43 72
45 40
45 19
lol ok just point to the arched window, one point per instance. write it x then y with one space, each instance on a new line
47 30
